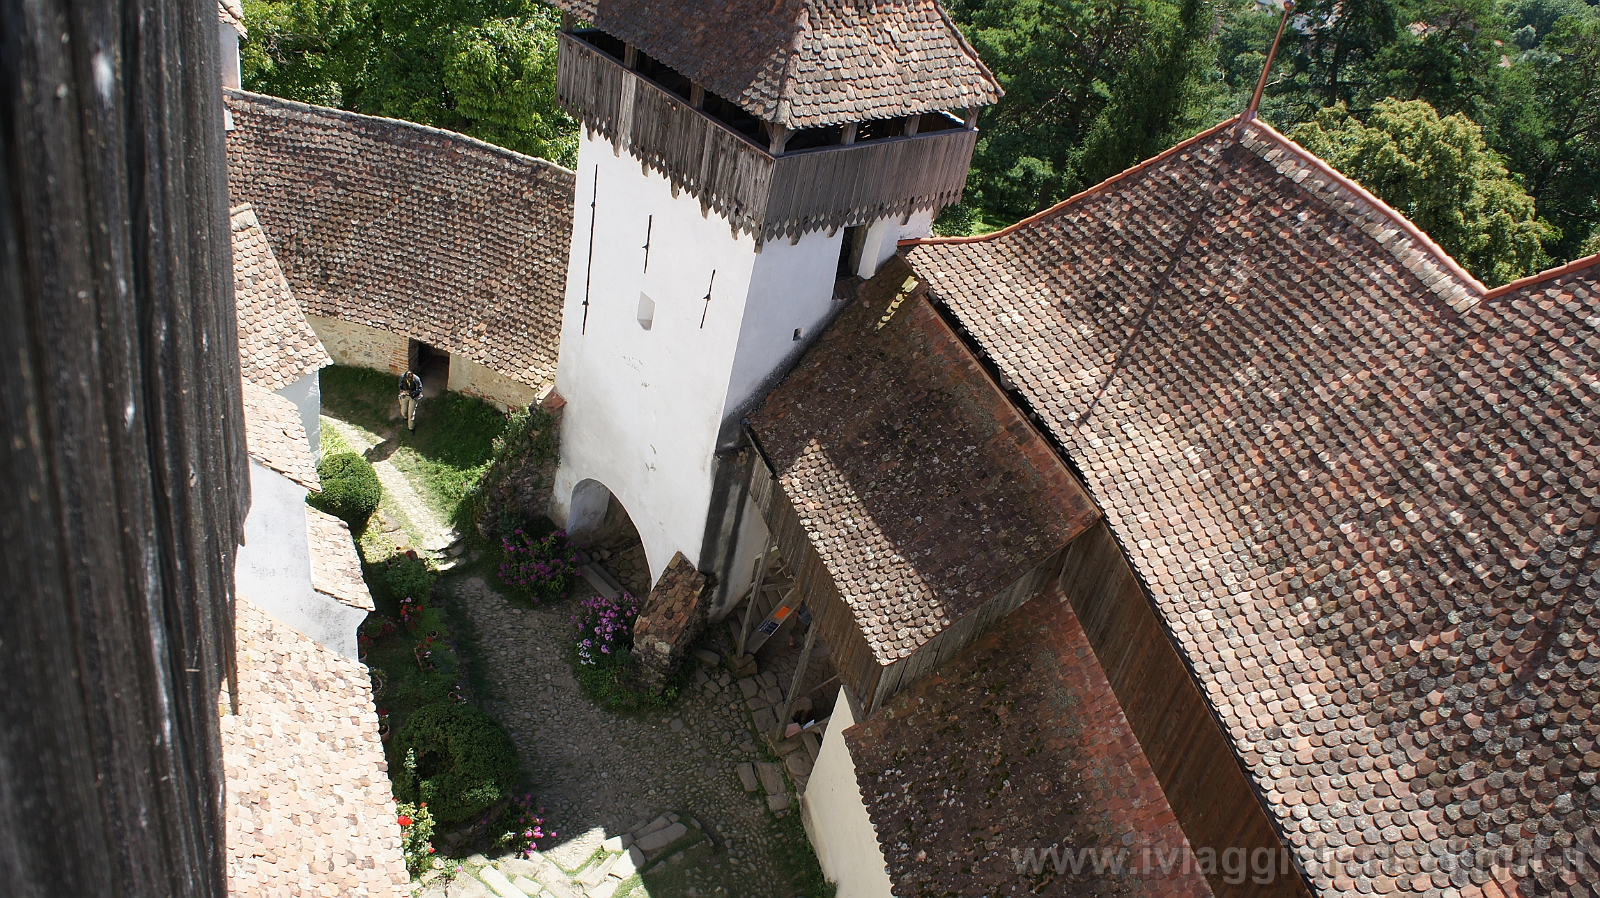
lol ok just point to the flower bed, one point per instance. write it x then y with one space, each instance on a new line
602 654
539 568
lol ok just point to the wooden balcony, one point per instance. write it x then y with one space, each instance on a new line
761 194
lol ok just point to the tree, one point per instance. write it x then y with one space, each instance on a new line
482 67
1153 98
1439 173
1558 150
1057 60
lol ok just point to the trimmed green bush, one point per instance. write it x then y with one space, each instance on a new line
403 575
350 488
455 758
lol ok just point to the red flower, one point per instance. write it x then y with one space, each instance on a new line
404 820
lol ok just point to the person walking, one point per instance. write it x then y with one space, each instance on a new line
410 395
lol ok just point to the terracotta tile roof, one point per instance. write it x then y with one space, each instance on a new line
919 486
276 438
1018 744
410 229
231 12
335 564
808 63
1364 502
276 344
309 807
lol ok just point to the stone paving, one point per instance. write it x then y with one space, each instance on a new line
608 780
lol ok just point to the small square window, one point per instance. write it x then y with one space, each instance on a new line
647 311
797 335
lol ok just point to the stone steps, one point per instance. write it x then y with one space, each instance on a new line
610 869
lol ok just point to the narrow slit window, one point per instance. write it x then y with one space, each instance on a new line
647 311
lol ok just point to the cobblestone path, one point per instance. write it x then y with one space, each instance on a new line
601 774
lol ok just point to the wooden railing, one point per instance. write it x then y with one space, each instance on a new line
764 195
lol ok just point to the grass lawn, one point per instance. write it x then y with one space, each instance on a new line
450 449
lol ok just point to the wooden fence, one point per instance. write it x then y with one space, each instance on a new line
123 474
761 194
1209 792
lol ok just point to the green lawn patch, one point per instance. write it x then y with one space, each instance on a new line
450 449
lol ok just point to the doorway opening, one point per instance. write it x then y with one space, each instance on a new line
431 364
598 522
850 251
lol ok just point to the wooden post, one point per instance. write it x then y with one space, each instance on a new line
567 21
799 675
697 96
755 594
779 137
972 118
630 57
849 135
913 122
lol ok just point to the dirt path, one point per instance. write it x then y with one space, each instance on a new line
422 524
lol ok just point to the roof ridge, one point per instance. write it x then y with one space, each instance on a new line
347 115
1547 275
1471 289
1076 197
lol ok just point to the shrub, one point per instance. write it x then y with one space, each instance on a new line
457 759
521 827
539 568
402 576
350 488
416 829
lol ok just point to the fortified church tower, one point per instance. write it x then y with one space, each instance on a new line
738 159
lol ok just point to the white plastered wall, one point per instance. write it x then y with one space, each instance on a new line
306 394
274 564
884 236
645 406
835 816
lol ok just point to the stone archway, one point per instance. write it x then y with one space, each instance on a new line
597 520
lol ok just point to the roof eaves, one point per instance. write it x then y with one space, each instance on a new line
1546 275
1075 198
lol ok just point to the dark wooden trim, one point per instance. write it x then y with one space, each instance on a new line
123 474
1208 789
761 194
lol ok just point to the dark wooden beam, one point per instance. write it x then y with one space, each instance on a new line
912 123
778 138
123 475
849 135
697 96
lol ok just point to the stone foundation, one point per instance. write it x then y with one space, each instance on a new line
361 346
669 622
472 379
368 347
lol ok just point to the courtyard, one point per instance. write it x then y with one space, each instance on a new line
682 798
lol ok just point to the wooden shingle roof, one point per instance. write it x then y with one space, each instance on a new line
410 229
276 344
808 63
1363 492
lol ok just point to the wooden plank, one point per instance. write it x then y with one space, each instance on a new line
760 193
1203 779
123 475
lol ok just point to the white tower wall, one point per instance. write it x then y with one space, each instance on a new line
645 407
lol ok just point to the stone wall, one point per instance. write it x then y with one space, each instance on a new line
361 346
669 622
368 347
472 379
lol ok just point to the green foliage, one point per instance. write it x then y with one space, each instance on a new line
1154 97
350 488
959 220
455 758
402 575
481 67
416 831
529 439
1441 175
